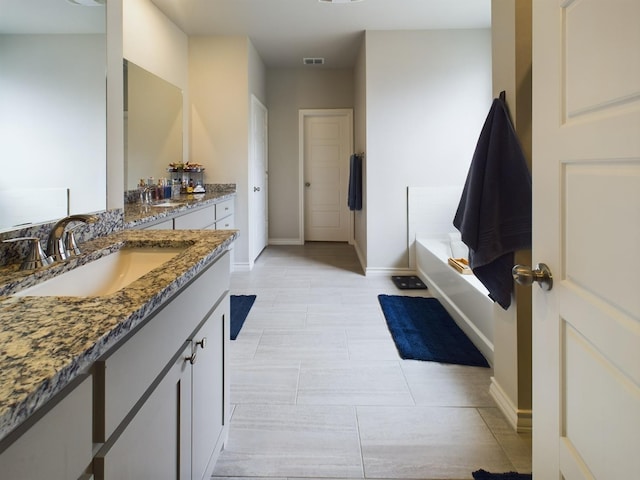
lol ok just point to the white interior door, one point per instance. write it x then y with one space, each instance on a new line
258 207
586 178
327 148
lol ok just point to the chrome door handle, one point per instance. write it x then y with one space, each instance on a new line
256 189
524 275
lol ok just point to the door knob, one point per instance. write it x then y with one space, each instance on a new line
524 275
307 184
256 189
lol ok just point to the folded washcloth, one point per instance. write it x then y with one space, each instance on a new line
494 213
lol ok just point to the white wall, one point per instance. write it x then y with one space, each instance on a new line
155 43
511 383
224 72
360 145
288 91
424 111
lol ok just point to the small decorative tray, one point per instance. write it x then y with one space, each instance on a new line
461 265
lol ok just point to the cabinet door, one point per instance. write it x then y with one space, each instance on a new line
155 444
210 395
54 448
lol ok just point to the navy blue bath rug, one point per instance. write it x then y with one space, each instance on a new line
423 330
483 475
408 282
240 306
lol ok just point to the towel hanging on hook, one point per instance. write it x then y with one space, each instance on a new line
354 195
494 213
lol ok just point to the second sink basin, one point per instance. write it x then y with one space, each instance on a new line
167 204
105 275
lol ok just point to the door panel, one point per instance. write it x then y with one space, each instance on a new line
258 207
586 178
327 147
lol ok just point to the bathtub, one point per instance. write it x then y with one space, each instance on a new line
463 296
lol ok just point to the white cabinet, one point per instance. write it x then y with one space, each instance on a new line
156 405
210 404
155 442
165 225
163 394
54 447
197 219
215 216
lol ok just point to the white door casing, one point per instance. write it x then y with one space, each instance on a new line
586 224
326 146
258 183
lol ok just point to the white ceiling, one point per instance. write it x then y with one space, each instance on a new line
285 31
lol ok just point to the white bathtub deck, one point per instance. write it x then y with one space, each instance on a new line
463 296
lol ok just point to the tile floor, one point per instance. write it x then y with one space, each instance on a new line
319 391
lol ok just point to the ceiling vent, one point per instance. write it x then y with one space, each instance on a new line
313 61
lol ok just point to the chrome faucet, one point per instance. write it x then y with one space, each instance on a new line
145 194
56 242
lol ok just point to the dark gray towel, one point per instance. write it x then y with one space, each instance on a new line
494 213
354 199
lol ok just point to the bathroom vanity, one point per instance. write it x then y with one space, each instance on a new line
212 211
129 384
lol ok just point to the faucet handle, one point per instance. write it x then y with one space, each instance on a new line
70 246
36 257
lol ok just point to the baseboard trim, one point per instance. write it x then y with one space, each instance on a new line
389 271
361 257
520 420
285 241
240 267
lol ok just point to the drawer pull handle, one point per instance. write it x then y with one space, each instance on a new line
194 356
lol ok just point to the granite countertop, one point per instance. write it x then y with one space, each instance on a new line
46 342
137 214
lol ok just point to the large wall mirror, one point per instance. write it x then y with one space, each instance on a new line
153 125
52 110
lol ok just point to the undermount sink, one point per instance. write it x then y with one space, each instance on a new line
167 204
105 275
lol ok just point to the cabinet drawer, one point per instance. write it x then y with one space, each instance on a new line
54 447
198 219
224 208
226 223
166 225
126 373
